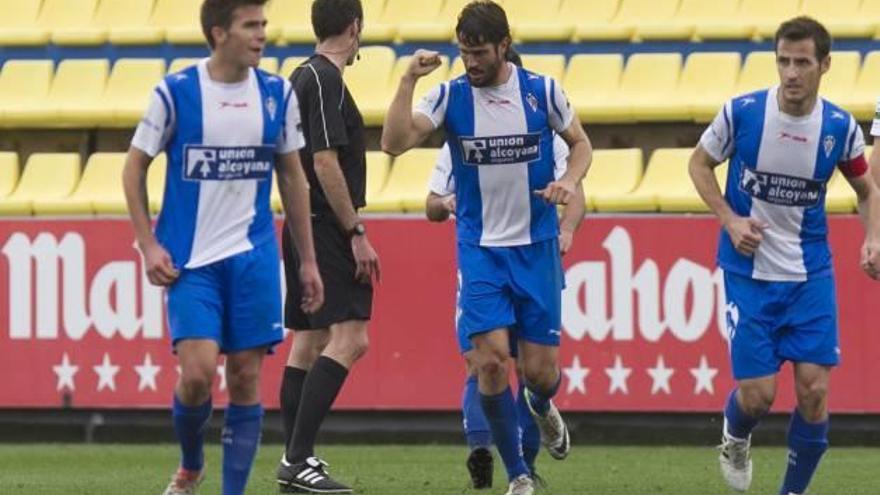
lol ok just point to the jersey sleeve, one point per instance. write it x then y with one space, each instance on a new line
717 139
875 125
560 114
442 182
853 162
291 137
560 156
157 124
321 94
433 105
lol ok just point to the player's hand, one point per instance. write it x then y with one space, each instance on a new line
157 261
746 233
566 238
366 259
312 288
448 203
870 259
423 62
558 192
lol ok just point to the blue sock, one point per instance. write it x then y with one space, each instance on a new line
531 437
540 399
500 412
189 425
739 424
806 442
241 437
476 429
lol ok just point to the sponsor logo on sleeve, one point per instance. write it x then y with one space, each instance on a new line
212 163
501 150
782 190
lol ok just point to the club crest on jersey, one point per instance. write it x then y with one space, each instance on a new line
782 190
271 107
533 102
500 150
212 163
828 145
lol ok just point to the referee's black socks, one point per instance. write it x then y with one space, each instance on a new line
291 392
320 388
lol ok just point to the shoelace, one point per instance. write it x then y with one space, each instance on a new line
737 452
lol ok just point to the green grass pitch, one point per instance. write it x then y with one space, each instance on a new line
49 469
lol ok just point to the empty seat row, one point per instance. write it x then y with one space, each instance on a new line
56 184
649 87
127 22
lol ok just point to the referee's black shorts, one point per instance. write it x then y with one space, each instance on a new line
344 297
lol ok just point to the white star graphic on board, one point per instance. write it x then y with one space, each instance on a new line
618 375
704 376
577 376
661 375
65 372
221 370
106 373
147 374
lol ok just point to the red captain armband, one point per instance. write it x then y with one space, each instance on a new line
855 167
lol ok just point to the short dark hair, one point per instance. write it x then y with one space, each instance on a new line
219 13
482 21
332 17
803 28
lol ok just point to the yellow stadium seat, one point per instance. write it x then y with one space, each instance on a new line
180 21
47 176
128 89
289 64
546 65
424 85
592 20
128 22
291 20
648 80
710 20
404 14
8 172
651 19
591 80
708 80
407 184
368 81
24 86
870 9
269 64
666 174
156 182
758 72
98 191
378 165
18 24
612 174
67 21
537 21
682 196
767 16
457 68
841 17
840 80
439 27
275 197
840 196
119 21
862 101
179 64
375 30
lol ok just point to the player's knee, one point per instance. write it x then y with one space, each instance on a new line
195 385
812 398
356 345
756 401
242 379
492 365
542 377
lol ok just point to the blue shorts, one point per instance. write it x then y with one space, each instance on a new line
235 301
518 288
772 322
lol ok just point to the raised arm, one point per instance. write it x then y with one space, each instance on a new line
403 129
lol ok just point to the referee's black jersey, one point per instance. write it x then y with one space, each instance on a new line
330 119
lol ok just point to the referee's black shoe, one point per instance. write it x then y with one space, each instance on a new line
480 466
307 477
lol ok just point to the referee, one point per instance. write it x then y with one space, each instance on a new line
328 342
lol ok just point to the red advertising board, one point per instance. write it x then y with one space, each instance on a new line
643 316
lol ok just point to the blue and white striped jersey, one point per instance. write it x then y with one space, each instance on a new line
501 142
221 141
779 168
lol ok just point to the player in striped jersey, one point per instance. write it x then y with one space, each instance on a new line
784 144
